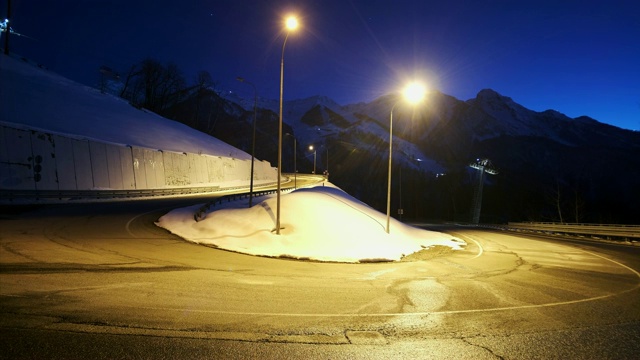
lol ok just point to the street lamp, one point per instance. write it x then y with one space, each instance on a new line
295 163
412 93
314 158
253 142
291 23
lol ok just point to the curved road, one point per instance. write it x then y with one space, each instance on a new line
102 281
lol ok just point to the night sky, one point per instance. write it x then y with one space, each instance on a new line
576 57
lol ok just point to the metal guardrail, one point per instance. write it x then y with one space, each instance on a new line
18 196
597 230
201 213
100 194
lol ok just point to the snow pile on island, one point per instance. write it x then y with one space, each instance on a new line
321 223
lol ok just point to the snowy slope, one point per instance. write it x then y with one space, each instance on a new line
32 97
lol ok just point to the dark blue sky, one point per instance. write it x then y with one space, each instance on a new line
577 57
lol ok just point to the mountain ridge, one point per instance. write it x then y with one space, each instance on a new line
587 166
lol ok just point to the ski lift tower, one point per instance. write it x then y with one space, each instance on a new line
483 166
4 27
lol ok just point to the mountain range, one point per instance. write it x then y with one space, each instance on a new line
550 167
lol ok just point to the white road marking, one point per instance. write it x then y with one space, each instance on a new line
481 249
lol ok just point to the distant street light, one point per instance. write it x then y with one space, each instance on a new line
326 169
314 158
291 24
253 142
412 93
295 164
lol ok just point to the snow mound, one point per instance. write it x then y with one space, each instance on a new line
321 223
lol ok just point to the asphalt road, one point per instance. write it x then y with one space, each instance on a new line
102 281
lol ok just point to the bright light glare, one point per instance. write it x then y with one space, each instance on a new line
414 92
310 147
291 23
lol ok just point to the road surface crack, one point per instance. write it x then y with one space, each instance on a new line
467 341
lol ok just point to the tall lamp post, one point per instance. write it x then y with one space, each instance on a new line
291 23
295 162
413 93
314 157
253 142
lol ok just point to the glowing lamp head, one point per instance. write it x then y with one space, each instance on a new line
414 92
291 23
311 147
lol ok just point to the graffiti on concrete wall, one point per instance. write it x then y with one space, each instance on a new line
36 160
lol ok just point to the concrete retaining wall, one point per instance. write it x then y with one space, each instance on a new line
36 160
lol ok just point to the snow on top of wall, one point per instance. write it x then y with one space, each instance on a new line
32 97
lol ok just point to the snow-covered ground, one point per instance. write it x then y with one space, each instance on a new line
320 223
35 98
